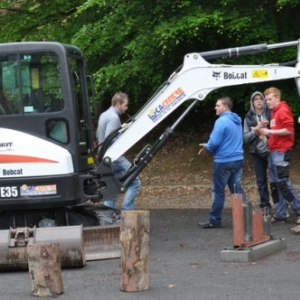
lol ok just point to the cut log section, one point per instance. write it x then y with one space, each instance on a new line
135 241
45 269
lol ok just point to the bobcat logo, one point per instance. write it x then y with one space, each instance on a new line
216 75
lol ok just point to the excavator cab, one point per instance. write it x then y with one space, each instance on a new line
46 156
45 126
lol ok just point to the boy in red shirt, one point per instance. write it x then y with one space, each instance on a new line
281 140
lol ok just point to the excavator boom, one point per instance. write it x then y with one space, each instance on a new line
194 80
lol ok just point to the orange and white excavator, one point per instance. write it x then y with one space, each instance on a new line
49 176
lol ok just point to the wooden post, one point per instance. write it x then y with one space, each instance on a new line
135 243
45 269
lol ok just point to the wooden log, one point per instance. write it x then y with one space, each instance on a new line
135 243
45 269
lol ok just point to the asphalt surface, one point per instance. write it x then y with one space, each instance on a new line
184 264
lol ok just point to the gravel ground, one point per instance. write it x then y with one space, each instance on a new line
182 196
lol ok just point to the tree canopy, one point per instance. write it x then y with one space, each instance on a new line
134 45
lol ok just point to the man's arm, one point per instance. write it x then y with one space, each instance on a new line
282 132
216 136
111 125
249 133
203 150
287 122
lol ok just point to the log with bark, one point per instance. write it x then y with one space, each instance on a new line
45 269
135 240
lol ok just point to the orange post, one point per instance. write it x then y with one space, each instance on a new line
239 223
238 220
258 226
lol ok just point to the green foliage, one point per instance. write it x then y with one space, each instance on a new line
135 45
292 3
37 20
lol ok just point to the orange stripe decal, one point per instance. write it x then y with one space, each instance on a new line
5 159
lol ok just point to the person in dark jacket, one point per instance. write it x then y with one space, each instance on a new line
257 117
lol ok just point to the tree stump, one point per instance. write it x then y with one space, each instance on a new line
45 269
135 242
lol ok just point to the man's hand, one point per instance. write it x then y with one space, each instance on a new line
203 150
263 123
260 126
265 132
256 129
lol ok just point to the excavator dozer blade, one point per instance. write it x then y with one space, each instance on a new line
102 242
13 245
77 244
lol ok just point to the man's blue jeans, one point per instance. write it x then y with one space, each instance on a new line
281 187
225 173
120 167
260 164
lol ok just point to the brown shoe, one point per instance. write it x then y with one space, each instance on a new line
298 220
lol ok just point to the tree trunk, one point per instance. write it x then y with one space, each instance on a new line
45 269
134 238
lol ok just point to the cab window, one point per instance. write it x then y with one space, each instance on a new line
30 83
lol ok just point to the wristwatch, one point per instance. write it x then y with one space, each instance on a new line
270 132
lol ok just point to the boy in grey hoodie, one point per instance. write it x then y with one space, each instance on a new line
257 117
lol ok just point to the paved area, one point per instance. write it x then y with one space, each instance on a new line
185 265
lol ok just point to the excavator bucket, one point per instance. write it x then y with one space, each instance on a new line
102 242
13 245
77 244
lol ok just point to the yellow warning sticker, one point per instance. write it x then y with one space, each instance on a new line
260 73
90 160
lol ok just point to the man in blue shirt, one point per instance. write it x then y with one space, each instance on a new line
108 122
226 144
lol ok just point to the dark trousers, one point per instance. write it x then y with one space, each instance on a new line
260 164
228 173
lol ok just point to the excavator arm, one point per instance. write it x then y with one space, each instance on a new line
194 80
